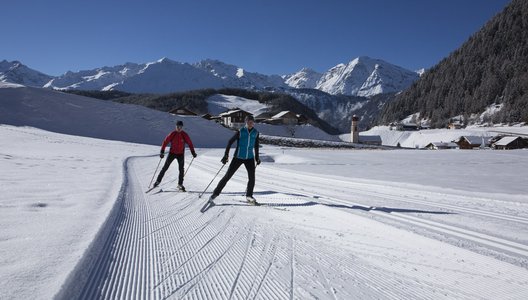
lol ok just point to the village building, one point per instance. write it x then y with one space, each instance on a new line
510 142
234 118
441 146
407 127
455 125
182 111
302 119
211 117
263 117
285 117
473 142
370 140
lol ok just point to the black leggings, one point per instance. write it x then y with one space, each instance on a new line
235 164
168 162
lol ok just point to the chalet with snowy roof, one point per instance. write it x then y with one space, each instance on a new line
182 111
285 117
510 142
234 118
210 117
473 142
441 146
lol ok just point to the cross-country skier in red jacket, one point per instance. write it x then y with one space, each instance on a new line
177 139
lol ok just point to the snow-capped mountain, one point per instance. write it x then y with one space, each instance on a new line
365 76
234 76
165 76
304 79
16 72
104 78
162 76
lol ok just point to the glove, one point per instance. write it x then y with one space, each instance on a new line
194 154
225 159
258 161
162 154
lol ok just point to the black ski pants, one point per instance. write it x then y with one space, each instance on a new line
233 167
168 162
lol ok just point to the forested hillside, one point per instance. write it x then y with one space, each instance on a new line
491 67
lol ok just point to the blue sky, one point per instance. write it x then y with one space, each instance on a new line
266 36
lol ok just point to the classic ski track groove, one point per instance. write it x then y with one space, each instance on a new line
163 247
288 180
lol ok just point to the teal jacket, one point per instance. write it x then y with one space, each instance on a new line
247 144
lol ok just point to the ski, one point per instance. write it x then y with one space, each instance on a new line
147 191
250 203
206 206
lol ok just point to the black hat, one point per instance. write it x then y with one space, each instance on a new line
250 118
179 123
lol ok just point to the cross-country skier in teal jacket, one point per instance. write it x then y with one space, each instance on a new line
247 153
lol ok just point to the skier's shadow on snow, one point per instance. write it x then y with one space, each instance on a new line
342 206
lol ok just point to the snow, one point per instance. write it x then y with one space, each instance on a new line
334 224
297 131
363 76
505 140
56 191
331 218
366 77
77 115
7 85
217 104
419 139
305 78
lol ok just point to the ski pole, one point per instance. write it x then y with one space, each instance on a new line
155 172
200 196
188 167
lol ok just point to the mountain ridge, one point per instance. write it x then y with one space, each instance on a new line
166 75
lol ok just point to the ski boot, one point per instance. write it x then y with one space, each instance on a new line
252 200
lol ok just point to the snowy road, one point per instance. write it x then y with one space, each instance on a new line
316 237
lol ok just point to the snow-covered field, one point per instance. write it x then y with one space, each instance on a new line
75 222
419 139
334 224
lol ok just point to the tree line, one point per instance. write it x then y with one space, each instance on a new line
196 101
491 67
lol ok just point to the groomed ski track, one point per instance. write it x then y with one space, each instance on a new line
314 237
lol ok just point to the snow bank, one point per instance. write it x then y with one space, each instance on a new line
297 131
56 192
82 116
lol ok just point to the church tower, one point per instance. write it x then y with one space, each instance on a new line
354 134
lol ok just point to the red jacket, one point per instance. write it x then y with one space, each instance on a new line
177 141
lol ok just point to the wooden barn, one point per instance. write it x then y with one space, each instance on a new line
510 142
472 142
182 111
234 118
